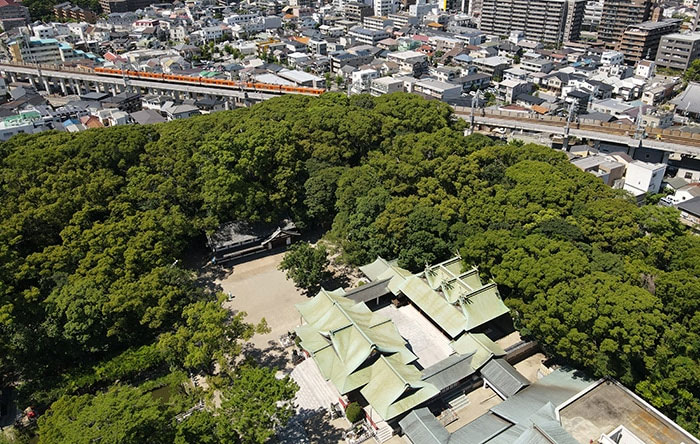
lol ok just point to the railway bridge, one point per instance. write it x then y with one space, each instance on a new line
666 140
68 80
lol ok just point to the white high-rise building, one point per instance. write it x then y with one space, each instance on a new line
383 8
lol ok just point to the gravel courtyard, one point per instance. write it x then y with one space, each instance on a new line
262 291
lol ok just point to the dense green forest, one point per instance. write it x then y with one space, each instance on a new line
92 224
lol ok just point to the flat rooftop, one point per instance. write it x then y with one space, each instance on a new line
604 408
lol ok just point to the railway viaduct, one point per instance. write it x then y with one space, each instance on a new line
665 140
78 81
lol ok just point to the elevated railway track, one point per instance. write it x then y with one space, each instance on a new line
667 140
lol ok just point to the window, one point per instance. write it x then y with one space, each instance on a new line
688 175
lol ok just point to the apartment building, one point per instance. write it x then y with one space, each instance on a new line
110 6
377 23
367 36
612 58
537 65
69 11
340 59
641 41
382 8
677 50
385 85
403 19
362 80
437 89
618 15
30 50
547 21
357 11
13 14
592 15
410 62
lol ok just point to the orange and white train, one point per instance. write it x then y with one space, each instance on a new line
202 81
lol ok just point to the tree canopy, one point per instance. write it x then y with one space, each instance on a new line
306 265
92 224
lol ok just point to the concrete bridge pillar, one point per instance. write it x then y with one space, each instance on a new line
47 85
665 158
13 77
62 84
113 90
176 94
32 82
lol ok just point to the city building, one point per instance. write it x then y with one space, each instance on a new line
32 50
378 23
367 36
385 85
25 123
410 62
339 59
437 89
644 177
618 15
69 11
641 41
677 50
110 6
547 21
383 8
361 80
592 15
357 11
492 66
612 58
13 14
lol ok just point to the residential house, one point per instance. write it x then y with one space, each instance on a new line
690 213
385 85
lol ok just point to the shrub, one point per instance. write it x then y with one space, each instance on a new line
354 412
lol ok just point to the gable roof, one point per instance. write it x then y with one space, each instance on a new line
457 302
533 421
691 206
479 346
503 377
344 336
394 388
449 371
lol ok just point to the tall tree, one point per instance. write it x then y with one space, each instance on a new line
306 265
121 415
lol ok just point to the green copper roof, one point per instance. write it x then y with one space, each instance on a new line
456 301
480 345
342 336
395 388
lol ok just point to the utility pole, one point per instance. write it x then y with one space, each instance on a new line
639 131
125 78
565 145
475 103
